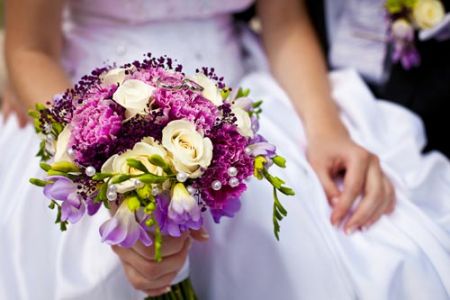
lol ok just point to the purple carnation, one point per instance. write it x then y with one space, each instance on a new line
185 104
94 126
229 151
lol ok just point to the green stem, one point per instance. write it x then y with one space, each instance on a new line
180 291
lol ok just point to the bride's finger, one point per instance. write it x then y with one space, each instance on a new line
170 246
388 205
141 283
6 111
374 198
353 186
328 184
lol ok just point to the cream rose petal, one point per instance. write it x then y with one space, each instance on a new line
190 150
243 121
62 144
134 96
210 90
114 76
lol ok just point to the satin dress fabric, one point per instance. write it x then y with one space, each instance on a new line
405 255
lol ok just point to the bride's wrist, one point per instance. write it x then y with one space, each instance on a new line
325 129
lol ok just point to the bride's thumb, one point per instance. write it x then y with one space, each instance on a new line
200 235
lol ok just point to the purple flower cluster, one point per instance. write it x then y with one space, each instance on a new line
185 104
229 151
95 125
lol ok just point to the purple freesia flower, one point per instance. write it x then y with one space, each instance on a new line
226 201
260 146
168 225
124 229
183 207
63 189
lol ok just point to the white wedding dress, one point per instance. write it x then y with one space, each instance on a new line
403 256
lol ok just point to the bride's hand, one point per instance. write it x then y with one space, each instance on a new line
154 278
11 106
337 155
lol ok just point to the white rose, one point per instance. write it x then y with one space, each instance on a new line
62 145
134 96
210 90
190 150
243 121
113 76
428 13
141 151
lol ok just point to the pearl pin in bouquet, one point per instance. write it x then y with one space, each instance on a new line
163 147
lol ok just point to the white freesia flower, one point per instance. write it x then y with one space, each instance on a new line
190 150
428 13
134 96
114 76
243 121
210 90
182 203
141 152
62 145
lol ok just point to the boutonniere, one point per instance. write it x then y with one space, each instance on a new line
413 21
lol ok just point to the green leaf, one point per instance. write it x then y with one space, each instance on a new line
145 192
279 212
136 164
57 128
34 114
65 167
287 191
101 196
242 93
225 93
52 205
44 166
151 178
39 182
101 176
56 173
158 161
40 107
120 178
257 104
274 181
279 161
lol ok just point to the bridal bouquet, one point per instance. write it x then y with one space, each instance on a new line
160 147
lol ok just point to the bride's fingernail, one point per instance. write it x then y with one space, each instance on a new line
168 289
334 201
349 230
